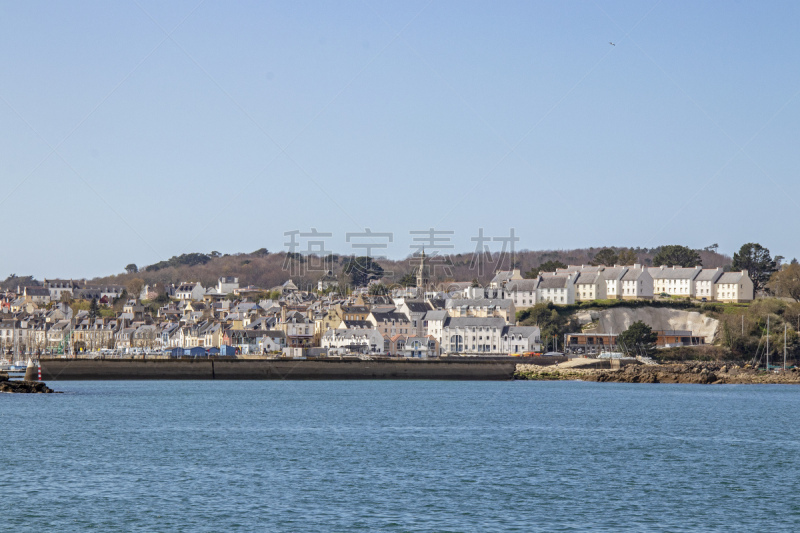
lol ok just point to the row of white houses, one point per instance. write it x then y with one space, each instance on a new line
465 335
585 283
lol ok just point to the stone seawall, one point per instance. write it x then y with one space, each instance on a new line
263 369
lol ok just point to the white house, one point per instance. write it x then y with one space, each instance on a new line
227 284
419 347
57 287
270 341
613 279
415 310
502 277
734 287
390 323
636 283
482 307
556 288
675 281
190 291
519 339
342 341
522 292
473 336
590 285
705 283
434 323
8 329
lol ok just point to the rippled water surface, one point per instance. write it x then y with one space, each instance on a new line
400 456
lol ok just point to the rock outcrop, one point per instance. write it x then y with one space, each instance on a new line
697 373
23 386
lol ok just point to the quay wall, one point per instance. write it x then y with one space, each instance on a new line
277 369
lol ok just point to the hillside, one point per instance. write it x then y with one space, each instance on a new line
267 270
264 269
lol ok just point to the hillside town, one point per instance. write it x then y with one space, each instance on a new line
419 321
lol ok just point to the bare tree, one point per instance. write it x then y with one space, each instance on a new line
135 287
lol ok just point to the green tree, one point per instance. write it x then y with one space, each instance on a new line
94 309
627 257
378 289
361 270
551 323
638 339
547 266
409 280
786 282
606 256
755 259
180 260
162 298
677 255
132 268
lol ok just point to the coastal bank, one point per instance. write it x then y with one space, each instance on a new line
277 369
689 373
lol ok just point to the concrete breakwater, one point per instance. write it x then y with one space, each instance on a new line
275 369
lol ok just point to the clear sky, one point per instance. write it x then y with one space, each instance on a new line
133 131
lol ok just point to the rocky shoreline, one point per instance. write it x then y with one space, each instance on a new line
29 387
696 373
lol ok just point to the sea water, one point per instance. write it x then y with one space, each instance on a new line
400 456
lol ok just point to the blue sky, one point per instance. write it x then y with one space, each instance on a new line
134 131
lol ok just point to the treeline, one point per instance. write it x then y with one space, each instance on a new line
13 281
264 269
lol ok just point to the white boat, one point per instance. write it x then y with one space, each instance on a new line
612 355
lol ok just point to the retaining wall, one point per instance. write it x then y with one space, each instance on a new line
139 369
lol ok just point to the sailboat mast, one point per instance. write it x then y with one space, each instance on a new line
784 346
767 343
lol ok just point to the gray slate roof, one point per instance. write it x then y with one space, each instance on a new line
731 277
613 273
633 274
436 315
522 285
416 306
557 281
473 321
397 317
589 278
708 274
525 331
675 273
478 302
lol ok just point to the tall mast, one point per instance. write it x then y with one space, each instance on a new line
784 346
767 343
